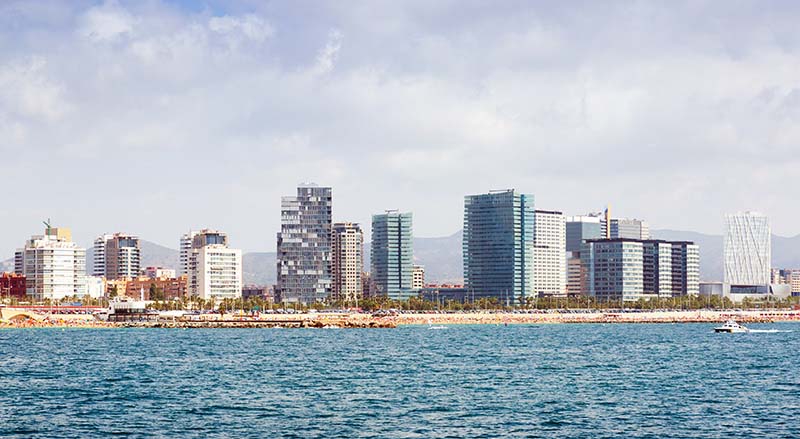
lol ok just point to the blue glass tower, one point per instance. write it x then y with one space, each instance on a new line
392 257
498 245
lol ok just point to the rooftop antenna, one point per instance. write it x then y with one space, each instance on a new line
49 227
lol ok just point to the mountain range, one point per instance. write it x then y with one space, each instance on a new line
442 257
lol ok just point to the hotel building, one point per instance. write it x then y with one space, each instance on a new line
54 267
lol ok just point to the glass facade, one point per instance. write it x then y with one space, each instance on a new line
747 249
392 255
579 230
630 269
304 246
498 245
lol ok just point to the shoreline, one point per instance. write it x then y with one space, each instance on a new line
343 320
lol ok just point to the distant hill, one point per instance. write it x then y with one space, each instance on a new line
442 258
259 268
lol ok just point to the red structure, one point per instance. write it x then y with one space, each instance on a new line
12 284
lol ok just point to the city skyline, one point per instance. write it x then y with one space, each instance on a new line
113 91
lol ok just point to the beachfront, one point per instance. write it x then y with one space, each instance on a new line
360 320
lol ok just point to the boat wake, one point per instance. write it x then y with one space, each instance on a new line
769 331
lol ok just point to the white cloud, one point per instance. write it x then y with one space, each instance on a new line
26 91
250 26
225 112
326 58
106 23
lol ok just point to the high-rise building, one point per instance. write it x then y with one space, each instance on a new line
549 254
579 229
417 277
347 261
392 256
116 256
629 229
185 249
747 249
99 256
214 270
498 245
304 246
53 265
630 269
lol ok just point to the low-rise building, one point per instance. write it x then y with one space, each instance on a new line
12 285
257 291
417 277
445 292
160 288
95 286
160 272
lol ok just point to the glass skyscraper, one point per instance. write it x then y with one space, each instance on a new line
392 255
304 246
748 249
498 245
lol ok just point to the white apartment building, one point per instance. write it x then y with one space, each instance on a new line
185 248
116 256
55 267
213 269
347 261
549 254
747 249
99 255
218 272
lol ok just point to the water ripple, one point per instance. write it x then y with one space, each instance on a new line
549 381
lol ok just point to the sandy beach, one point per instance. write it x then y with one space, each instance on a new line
355 320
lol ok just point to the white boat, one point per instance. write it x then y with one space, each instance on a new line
432 326
730 327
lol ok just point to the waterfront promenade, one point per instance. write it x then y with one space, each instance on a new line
361 320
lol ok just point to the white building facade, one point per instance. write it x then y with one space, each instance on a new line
417 277
347 261
747 249
116 256
549 254
218 272
54 266
213 270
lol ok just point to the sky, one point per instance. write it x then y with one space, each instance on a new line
152 117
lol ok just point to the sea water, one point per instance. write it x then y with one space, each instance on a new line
549 381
